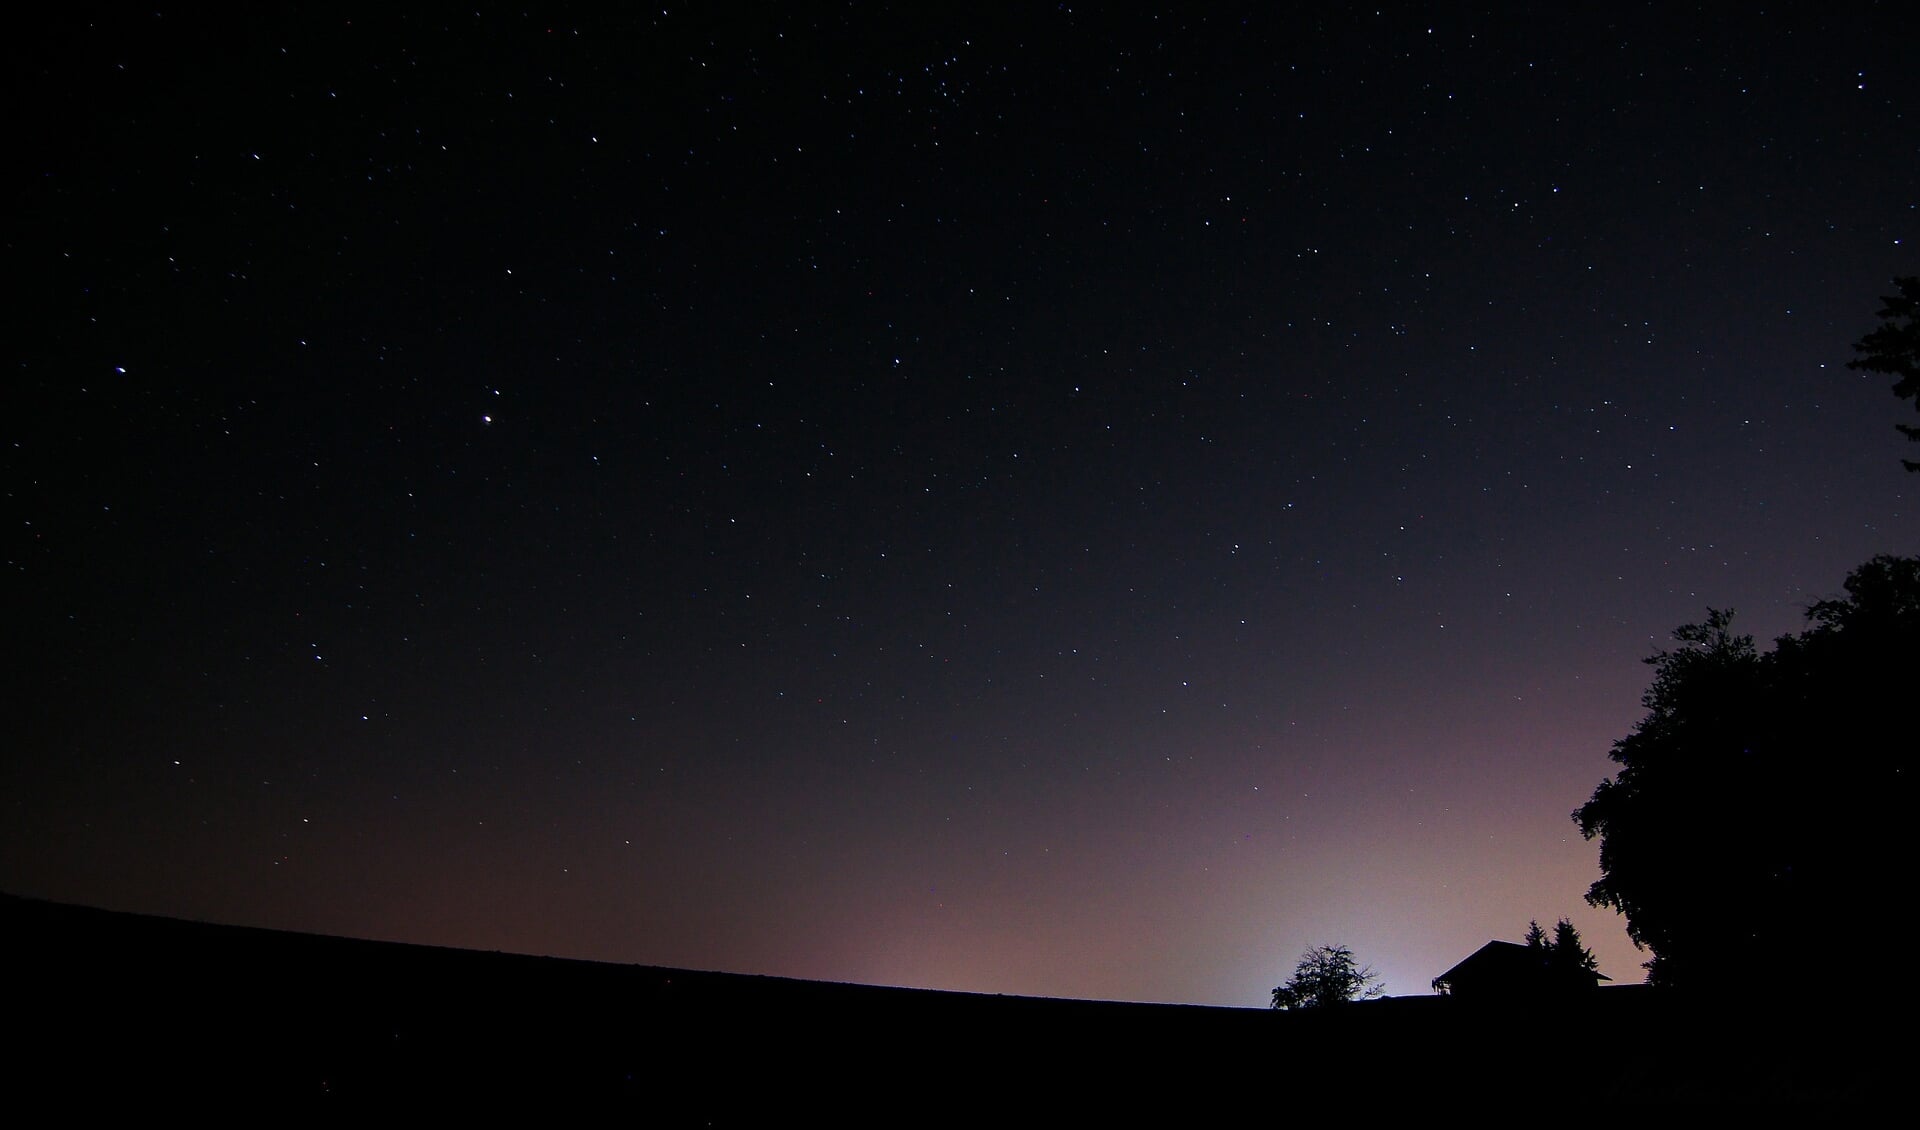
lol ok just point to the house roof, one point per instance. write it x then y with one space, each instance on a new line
1508 962
1492 960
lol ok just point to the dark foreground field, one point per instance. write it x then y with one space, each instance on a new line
112 1011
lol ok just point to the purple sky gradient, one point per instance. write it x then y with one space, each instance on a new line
1080 505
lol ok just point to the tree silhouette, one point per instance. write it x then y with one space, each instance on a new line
1894 348
1760 798
1564 962
1568 959
1327 976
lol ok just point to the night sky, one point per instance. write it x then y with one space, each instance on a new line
1062 502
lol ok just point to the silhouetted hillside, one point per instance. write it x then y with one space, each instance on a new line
129 1011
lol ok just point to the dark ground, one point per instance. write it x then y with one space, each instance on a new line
114 1011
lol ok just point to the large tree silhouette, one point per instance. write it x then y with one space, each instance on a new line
1757 811
1894 349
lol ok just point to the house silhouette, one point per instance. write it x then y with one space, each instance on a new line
1510 971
